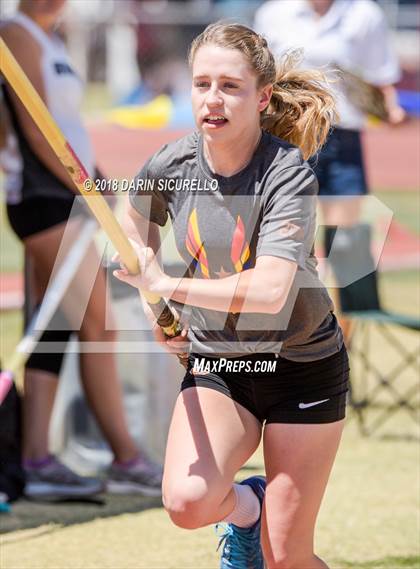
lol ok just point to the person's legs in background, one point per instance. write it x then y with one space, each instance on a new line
340 213
45 475
99 376
40 386
342 186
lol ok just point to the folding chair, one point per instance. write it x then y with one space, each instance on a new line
386 390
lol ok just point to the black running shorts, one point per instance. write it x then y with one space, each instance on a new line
37 214
276 390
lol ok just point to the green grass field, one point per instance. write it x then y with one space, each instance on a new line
369 518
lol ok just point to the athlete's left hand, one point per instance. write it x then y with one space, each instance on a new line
151 277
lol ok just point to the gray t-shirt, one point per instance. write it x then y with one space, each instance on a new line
221 225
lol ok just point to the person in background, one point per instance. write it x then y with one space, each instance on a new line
351 35
40 199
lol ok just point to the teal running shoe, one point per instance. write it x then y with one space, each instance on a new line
242 546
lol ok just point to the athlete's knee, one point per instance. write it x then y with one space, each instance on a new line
188 504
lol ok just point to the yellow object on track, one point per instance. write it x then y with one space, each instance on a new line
154 115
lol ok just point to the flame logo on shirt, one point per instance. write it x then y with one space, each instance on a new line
239 252
195 245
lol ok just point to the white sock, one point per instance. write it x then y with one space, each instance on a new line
247 509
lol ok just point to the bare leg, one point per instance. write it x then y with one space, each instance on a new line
39 388
342 212
98 370
298 462
210 438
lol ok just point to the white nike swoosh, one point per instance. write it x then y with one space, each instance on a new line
306 405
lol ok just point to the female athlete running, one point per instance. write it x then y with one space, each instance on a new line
266 356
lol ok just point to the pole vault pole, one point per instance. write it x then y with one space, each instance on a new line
33 103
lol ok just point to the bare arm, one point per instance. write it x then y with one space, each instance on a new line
395 112
263 289
28 54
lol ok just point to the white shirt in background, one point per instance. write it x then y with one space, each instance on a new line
353 34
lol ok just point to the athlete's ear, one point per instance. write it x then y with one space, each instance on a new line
265 97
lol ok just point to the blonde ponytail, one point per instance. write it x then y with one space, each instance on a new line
301 109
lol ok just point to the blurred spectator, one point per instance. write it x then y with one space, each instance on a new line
161 50
40 200
353 35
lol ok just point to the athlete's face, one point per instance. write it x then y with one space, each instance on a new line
225 98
